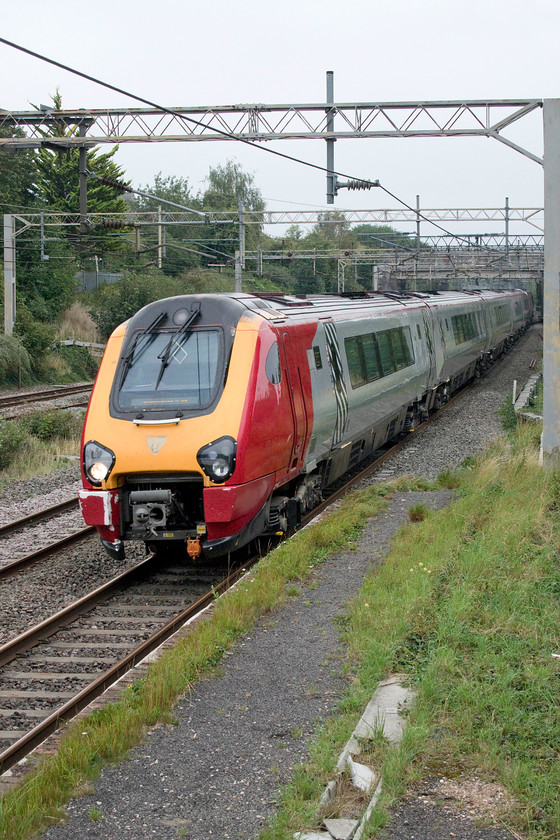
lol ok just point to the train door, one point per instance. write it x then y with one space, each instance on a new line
339 386
297 401
434 341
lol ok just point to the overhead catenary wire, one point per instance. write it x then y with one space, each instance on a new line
227 134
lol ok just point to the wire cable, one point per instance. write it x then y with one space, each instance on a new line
227 134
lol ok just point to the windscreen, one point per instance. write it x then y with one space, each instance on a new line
172 371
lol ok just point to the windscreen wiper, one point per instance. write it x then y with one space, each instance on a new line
165 354
129 355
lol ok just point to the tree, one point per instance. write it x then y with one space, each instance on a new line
58 178
335 227
382 237
18 174
181 240
227 186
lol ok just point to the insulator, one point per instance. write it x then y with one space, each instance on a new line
111 224
119 186
361 185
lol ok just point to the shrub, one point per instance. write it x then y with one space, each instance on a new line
80 362
15 363
507 416
48 425
13 439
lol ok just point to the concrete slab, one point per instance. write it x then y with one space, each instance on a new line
312 835
329 792
383 711
341 829
362 777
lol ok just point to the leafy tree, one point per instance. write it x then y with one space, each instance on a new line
335 227
294 233
380 237
181 240
227 186
18 174
170 187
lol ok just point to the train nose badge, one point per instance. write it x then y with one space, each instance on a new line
155 444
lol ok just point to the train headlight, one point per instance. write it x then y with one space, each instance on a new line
217 459
98 462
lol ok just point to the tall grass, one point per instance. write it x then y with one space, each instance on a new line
77 323
39 443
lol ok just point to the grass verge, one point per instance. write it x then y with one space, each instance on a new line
466 604
38 443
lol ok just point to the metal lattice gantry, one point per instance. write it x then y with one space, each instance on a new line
258 123
532 216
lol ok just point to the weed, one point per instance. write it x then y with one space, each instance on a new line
14 441
476 586
96 813
49 425
507 415
417 513
448 480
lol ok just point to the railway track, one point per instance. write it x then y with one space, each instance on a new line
10 568
55 669
29 397
52 671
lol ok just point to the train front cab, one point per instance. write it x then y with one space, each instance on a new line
157 470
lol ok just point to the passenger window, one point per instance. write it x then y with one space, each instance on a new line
354 359
406 339
398 352
385 353
370 357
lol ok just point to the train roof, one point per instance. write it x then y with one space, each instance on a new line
328 305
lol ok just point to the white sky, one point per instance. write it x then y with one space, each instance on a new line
219 52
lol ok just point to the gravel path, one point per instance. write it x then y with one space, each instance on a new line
217 773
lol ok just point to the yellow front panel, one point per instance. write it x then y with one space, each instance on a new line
145 449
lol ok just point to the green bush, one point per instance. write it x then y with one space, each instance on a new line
507 416
13 439
48 425
112 304
37 336
81 363
15 363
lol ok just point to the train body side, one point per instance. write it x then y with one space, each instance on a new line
302 390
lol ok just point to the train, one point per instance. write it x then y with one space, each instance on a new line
217 419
